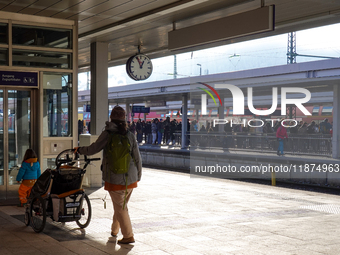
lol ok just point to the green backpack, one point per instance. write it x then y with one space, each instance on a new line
118 151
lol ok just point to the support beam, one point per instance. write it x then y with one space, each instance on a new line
127 110
184 120
336 122
99 86
221 115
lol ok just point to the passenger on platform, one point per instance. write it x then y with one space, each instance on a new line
237 128
303 143
281 134
299 125
148 134
311 129
133 128
293 129
179 132
160 131
209 128
179 127
303 129
139 131
188 132
196 126
154 130
29 172
325 127
172 131
143 131
119 188
203 129
277 125
193 126
228 128
268 128
166 137
80 128
203 138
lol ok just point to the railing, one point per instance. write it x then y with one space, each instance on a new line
303 144
317 144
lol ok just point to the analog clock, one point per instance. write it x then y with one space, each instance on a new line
139 67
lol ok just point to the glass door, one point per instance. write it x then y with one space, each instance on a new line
16 133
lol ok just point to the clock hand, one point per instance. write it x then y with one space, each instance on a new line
138 62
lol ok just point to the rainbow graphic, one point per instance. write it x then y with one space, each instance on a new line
209 93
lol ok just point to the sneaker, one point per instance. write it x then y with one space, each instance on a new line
126 240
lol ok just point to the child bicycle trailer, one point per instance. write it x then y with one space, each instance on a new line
58 194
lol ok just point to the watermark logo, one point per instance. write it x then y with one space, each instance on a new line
204 97
238 99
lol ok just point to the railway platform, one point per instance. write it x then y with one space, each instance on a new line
175 213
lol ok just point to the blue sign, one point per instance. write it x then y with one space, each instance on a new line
140 109
11 78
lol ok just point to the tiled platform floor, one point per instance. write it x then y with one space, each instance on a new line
175 214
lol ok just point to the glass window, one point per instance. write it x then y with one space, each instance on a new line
327 110
3 33
57 99
3 57
42 59
42 37
316 110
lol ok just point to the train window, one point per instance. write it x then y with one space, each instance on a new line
316 110
327 110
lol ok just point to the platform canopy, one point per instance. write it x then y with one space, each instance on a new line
125 24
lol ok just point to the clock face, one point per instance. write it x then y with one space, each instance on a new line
139 67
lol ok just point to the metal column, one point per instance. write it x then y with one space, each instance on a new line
99 86
221 115
336 122
184 120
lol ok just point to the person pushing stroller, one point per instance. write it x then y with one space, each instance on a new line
114 140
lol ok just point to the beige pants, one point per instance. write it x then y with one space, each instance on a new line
121 218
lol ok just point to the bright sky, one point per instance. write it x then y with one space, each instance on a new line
264 52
